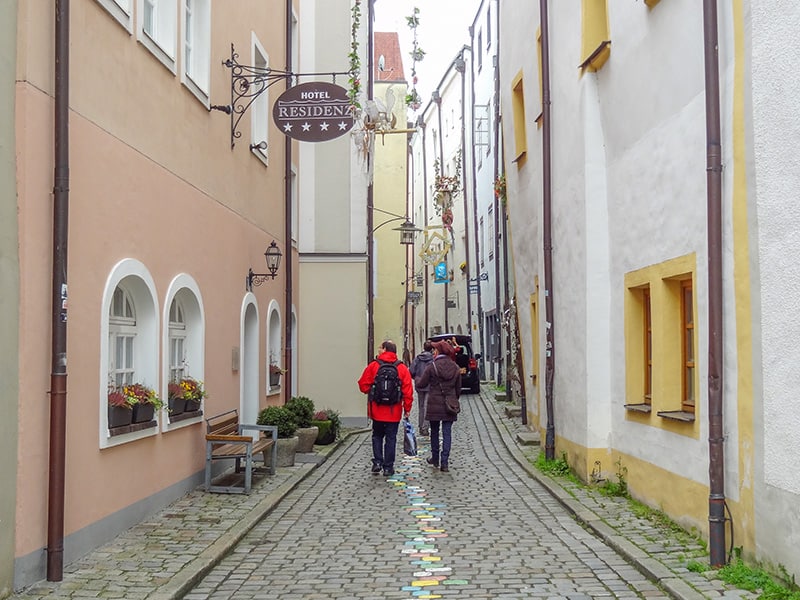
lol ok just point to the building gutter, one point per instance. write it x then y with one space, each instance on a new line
716 467
461 67
370 191
422 125
478 283
287 187
550 365
58 352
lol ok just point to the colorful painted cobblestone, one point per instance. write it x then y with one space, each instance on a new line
421 546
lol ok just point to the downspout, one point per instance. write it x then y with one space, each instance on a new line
370 193
287 186
58 353
411 168
475 216
496 217
438 100
425 287
461 67
549 361
405 284
716 467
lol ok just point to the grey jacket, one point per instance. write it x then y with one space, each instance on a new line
417 368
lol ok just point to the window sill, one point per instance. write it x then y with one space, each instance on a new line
642 408
598 58
134 427
676 415
185 416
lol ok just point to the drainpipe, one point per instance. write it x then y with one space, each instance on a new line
550 367
370 194
287 186
475 216
425 288
461 67
438 100
716 470
58 353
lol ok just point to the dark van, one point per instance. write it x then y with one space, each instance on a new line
470 379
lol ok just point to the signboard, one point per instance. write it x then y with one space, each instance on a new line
413 296
474 288
440 273
313 112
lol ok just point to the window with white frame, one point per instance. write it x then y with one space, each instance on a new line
490 220
260 107
158 24
197 43
120 10
177 342
121 337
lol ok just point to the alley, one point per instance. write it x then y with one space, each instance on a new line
484 530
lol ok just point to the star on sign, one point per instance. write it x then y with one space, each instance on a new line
306 127
323 126
287 127
342 126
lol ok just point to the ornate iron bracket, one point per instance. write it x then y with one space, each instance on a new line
249 82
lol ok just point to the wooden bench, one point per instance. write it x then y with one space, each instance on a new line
226 438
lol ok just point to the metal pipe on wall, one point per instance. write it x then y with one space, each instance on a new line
370 193
716 439
461 67
550 364
287 185
58 353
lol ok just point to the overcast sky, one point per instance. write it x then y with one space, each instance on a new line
443 29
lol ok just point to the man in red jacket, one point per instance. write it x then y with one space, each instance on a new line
386 417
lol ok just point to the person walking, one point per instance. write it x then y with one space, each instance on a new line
443 379
386 407
418 366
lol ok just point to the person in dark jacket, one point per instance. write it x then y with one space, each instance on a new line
443 378
417 368
386 417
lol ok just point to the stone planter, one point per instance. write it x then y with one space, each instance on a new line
326 433
176 406
119 416
307 436
287 448
143 413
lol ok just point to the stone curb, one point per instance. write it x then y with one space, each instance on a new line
651 568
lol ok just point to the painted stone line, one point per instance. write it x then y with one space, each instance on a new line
421 546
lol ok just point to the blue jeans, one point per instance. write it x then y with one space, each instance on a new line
384 443
442 457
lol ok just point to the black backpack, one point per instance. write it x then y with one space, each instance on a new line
386 387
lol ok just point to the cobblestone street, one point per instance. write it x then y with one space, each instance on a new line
493 527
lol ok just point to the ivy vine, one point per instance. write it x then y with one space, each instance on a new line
355 58
413 99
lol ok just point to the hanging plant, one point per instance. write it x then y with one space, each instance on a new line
355 59
413 99
500 188
445 188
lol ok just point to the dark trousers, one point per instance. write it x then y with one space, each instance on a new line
384 443
422 407
442 457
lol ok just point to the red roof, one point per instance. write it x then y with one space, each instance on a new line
387 44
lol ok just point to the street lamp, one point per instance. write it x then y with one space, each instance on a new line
273 257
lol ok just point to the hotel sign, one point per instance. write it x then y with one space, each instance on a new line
313 112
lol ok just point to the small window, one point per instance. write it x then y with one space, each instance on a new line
197 43
157 26
480 51
647 347
595 38
260 108
518 108
687 318
490 219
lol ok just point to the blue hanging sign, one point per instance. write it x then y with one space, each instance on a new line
440 273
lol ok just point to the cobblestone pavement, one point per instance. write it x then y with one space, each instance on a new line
493 527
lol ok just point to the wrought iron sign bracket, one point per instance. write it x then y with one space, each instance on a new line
249 82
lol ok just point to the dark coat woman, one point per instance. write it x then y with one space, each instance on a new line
443 379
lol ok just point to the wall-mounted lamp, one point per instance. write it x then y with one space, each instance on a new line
273 257
407 232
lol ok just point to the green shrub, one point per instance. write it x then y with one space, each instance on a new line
325 435
281 417
303 410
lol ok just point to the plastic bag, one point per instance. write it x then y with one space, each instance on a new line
409 439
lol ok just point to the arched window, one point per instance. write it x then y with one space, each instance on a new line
177 341
121 339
